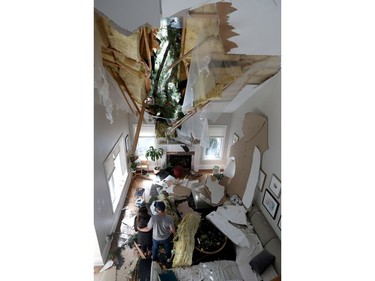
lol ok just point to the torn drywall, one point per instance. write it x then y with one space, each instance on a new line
251 184
232 232
255 131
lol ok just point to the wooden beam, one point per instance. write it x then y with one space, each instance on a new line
145 36
121 84
139 251
117 78
126 60
139 125
111 63
187 116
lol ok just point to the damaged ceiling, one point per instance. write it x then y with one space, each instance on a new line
211 72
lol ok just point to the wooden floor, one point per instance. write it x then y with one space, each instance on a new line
144 181
129 208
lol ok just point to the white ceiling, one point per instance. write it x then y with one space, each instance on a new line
258 23
130 14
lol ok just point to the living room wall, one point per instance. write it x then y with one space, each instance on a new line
266 101
105 137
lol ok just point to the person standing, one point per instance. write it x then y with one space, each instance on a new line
143 238
163 229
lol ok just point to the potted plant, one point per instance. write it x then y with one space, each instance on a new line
155 154
134 161
133 166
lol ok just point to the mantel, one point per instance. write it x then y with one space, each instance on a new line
177 151
180 153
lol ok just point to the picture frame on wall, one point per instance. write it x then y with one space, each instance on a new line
261 180
235 138
270 203
275 185
127 143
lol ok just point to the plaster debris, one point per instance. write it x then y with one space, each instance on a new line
235 214
191 182
129 221
184 209
107 265
108 275
130 256
233 233
216 190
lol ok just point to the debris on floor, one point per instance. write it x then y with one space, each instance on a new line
130 256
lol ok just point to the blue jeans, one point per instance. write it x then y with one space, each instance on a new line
155 248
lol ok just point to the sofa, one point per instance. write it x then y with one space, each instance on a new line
269 241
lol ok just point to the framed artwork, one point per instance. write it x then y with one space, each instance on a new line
127 143
235 138
261 179
275 185
279 223
270 203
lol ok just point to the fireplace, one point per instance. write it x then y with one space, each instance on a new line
184 159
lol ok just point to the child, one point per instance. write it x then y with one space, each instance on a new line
144 238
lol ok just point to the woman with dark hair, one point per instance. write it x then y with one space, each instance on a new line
144 238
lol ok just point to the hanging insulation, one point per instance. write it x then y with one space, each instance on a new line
184 241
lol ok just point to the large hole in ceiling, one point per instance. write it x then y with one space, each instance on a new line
173 71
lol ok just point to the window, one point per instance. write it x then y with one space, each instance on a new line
116 171
145 140
216 135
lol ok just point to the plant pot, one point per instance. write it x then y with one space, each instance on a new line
208 239
178 171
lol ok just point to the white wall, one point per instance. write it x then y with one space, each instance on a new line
266 101
105 137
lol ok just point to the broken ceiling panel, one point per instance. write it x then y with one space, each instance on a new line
121 55
211 70
108 90
205 70
232 232
216 190
209 22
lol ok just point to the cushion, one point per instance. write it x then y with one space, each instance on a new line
261 261
167 276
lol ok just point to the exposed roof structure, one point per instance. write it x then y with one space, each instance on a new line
207 70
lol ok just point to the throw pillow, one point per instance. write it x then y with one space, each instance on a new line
261 261
167 276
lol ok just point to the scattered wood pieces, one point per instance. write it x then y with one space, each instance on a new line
139 250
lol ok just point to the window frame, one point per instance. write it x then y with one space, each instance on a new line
215 131
116 170
147 132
